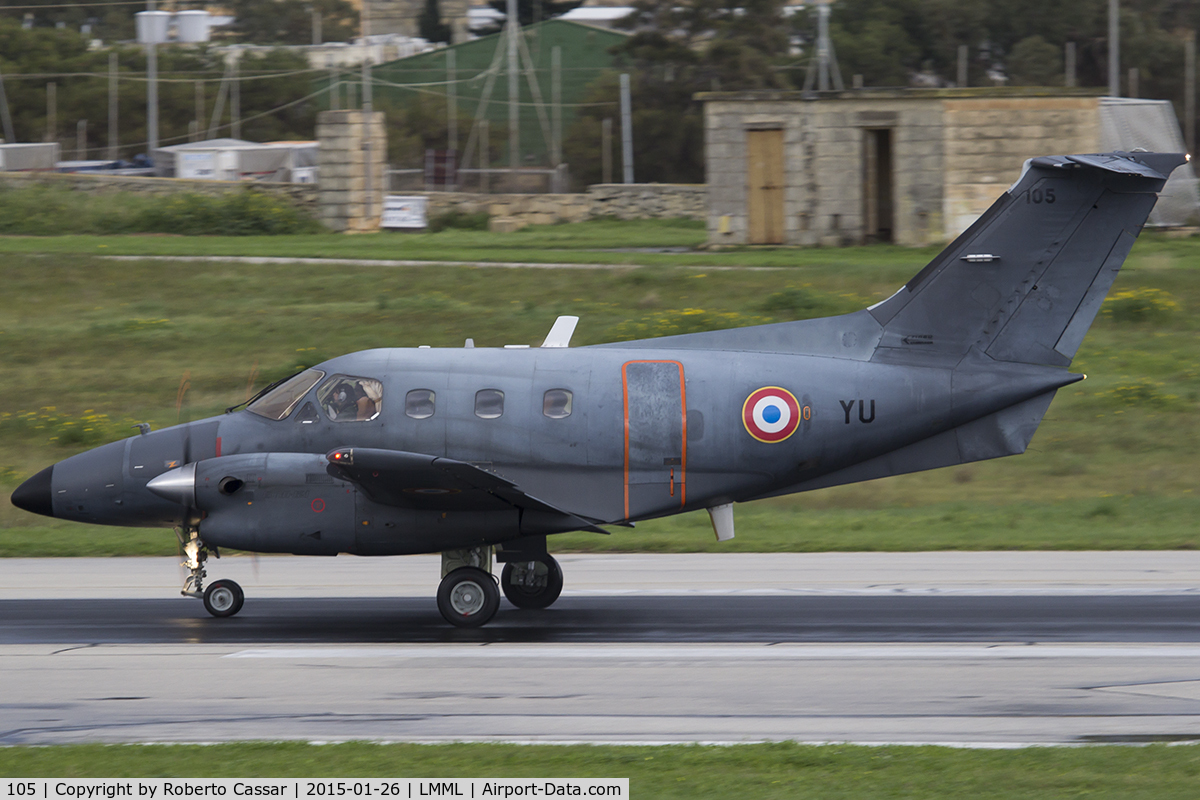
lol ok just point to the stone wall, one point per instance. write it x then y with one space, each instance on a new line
623 201
348 200
648 200
302 194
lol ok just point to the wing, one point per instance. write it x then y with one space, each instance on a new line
417 480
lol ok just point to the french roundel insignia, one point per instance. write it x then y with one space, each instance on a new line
771 414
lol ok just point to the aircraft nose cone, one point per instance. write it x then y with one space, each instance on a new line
35 495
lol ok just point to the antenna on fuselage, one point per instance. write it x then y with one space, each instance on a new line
561 332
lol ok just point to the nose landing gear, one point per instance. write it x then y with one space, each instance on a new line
223 598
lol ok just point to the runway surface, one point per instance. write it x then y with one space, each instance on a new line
970 648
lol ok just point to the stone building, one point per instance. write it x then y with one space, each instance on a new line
911 166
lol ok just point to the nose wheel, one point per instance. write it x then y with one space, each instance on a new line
222 598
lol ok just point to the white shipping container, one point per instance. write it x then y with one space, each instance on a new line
18 156
197 165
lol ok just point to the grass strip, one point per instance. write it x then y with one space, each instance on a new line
784 770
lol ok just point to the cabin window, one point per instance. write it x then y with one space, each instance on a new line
489 403
419 403
280 400
345 398
556 403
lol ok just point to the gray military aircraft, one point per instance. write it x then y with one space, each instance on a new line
477 453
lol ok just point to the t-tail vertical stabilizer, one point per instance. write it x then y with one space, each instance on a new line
1025 281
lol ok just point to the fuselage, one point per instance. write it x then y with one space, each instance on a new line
644 432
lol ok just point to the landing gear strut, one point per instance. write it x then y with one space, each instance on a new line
223 598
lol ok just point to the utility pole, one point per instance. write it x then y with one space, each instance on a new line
962 65
1114 49
152 93
1069 80
626 130
81 140
199 108
556 156
1189 91
451 101
485 163
112 107
606 150
513 26
235 103
52 112
368 183
316 25
1133 81
826 61
5 115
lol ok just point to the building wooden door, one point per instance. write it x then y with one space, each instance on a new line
764 184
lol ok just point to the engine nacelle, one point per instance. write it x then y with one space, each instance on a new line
290 503
275 503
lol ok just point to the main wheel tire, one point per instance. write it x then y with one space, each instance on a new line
468 597
545 588
223 598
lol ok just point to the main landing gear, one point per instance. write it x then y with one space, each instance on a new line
468 596
532 584
222 598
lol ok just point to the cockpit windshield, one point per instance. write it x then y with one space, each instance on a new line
279 402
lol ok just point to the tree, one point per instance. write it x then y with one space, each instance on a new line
677 50
430 25
1035 62
290 21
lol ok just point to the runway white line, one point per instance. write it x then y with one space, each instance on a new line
683 652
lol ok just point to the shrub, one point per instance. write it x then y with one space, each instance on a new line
42 210
243 213
457 219
1140 305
